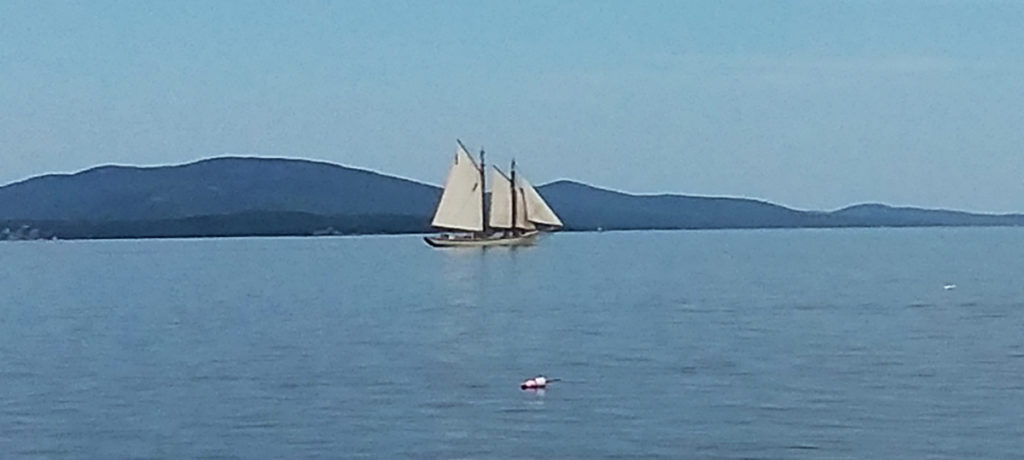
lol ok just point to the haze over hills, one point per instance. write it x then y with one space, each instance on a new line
233 196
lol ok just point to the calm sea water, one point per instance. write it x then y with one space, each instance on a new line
720 344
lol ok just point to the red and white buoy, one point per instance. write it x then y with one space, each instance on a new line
536 383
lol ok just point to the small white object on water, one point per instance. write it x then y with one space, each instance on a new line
536 383
949 286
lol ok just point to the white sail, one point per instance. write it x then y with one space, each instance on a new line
501 200
461 206
537 210
501 204
522 212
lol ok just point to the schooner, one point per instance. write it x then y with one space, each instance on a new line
517 211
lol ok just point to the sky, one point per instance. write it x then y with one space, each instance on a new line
811 104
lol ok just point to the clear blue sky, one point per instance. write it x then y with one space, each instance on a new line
815 104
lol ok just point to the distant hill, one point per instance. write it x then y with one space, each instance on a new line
585 207
878 215
234 196
212 187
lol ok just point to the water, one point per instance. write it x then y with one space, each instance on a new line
721 344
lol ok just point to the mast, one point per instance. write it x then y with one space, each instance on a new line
514 196
483 189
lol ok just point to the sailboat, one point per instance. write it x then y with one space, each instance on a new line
518 213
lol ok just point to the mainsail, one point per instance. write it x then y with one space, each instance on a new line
501 200
501 204
461 206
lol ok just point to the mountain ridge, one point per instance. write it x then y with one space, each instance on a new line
277 196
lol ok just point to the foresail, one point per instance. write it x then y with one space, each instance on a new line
522 212
537 210
461 206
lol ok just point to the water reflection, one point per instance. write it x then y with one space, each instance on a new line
537 391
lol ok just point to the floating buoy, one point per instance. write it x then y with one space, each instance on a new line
536 383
